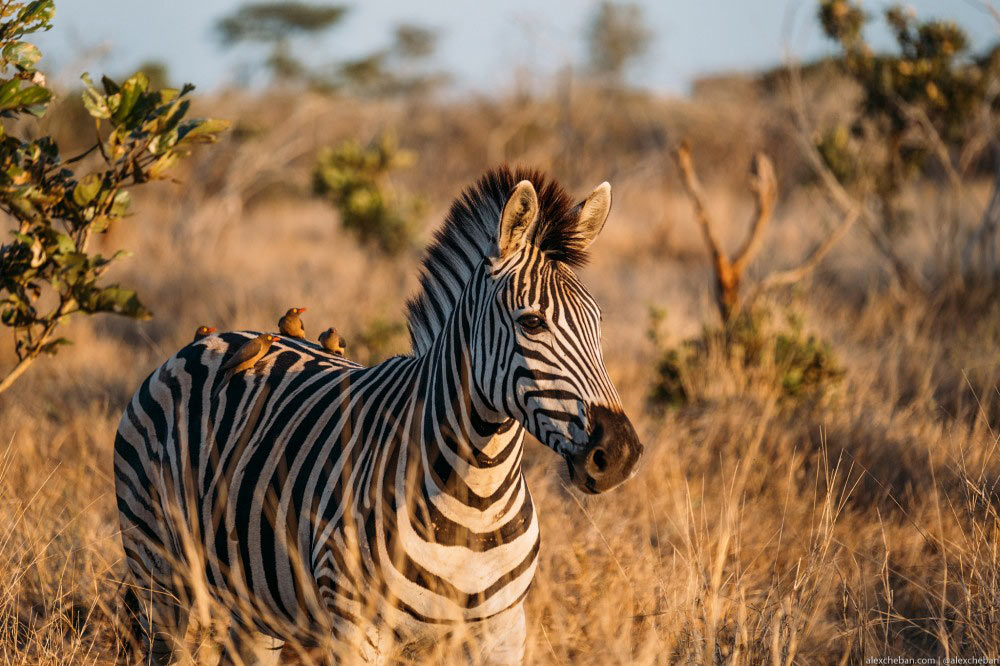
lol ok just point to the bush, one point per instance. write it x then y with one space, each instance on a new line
799 367
47 272
927 108
356 181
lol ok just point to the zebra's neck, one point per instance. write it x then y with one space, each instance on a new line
456 511
470 454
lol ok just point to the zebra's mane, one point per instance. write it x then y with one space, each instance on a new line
470 233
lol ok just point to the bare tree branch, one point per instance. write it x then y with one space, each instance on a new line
840 196
692 185
727 279
796 273
764 185
729 274
919 117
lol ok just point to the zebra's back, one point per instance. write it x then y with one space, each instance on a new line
196 466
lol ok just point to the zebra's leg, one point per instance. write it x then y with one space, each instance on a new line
247 647
500 639
155 601
157 620
132 628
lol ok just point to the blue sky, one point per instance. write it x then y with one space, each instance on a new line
483 43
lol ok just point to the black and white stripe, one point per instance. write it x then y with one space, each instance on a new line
350 507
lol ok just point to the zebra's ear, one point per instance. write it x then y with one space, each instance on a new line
519 216
593 213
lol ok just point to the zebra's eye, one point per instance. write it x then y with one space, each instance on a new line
531 323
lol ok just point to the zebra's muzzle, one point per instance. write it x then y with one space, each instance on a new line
610 456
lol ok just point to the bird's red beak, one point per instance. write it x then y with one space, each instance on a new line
211 329
302 309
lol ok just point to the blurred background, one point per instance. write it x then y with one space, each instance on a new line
799 282
483 49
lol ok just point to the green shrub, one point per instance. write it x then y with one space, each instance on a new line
783 359
807 365
356 181
926 108
47 272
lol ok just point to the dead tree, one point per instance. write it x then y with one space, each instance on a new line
729 271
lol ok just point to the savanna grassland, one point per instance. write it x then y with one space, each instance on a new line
857 520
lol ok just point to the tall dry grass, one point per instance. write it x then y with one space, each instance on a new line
757 531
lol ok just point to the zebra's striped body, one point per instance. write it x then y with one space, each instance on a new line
325 502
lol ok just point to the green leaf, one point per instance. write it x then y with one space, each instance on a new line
8 93
113 147
138 80
73 264
21 204
22 54
121 203
40 11
53 347
113 101
100 224
95 103
169 94
120 301
202 130
34 95
175 113
131 91
64 244
163 142
162 165
37 110
87 189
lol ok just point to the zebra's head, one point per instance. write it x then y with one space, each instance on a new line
540 362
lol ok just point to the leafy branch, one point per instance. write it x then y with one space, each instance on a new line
928 107
47 272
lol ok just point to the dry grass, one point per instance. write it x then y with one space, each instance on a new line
755 532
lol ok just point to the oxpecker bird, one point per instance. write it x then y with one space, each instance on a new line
245 358
332 342
291 325
202 332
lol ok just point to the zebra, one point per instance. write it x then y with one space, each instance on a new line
353 508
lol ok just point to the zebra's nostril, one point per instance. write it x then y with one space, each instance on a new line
600 460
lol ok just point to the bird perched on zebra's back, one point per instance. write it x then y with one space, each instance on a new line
203 332
245 358
332 342
291 325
